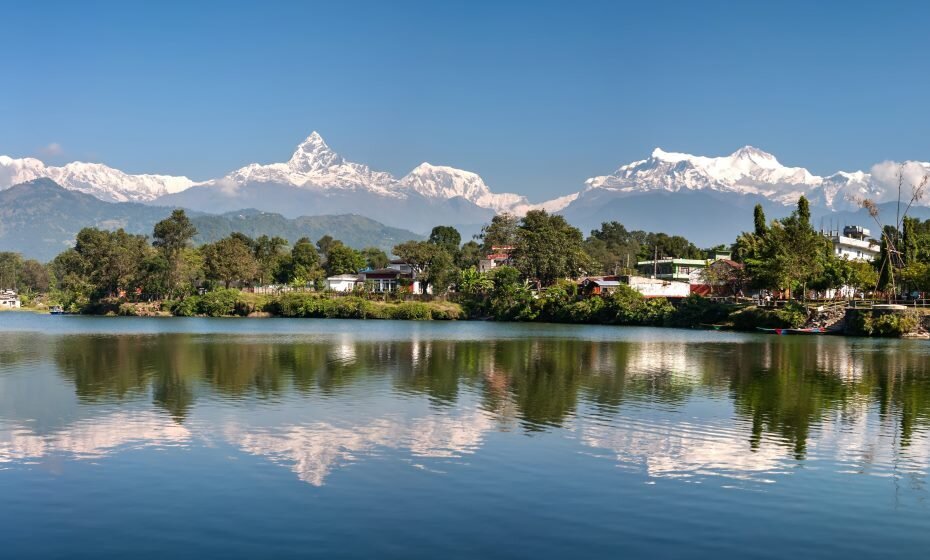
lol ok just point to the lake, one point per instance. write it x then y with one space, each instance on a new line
240 438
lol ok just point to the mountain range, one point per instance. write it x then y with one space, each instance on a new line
707 199
40 219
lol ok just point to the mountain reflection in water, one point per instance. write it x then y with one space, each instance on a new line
743 411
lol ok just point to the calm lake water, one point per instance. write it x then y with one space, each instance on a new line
196 438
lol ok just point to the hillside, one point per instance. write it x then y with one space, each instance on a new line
40 219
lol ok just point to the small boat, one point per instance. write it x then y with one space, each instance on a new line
56 310
812 330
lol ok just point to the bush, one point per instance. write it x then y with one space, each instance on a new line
219 303
127 310
411 310
187 307
867 323
696 310
793 314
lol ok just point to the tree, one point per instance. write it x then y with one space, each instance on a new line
109 260
431 264
469 255
171 236
613 247
446 237
269 253
229 260
758 218
501 232
325 243
11 265
304 263
792 254
548 248
375 258
343 260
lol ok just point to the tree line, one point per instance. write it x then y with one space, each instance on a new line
543 249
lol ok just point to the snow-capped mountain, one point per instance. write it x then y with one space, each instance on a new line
316 179
745 171
441 182
96 179
314 165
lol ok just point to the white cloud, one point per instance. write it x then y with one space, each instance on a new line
53 149
885 176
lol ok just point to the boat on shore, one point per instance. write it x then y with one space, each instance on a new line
56 310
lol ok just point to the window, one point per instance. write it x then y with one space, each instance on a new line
684 270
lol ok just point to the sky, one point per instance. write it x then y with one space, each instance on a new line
534 96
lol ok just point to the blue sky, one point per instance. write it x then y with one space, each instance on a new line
534 96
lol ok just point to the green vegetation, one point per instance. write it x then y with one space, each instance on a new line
872 323
533 275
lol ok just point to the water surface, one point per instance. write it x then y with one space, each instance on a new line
193 438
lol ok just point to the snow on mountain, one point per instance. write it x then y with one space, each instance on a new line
442 182
314 165
745 171
95 179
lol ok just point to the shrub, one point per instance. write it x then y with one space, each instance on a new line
867 323
793 314
127 310
412 310
695 310
219 303
187 307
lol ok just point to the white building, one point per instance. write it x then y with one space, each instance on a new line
343 282
855 244
658 287
9 300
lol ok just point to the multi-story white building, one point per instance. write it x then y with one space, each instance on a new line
855 244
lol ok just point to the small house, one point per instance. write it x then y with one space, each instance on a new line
343 282
599 286
9 300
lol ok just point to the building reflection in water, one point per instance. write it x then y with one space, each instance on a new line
750 409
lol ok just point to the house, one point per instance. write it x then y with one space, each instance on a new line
648 287
397 277
343 282
854 244
499 256
9 300
599 286
657 287
671 269
385 280
400 265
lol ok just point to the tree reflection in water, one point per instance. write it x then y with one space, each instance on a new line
324 402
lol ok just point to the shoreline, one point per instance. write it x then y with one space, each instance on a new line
920 335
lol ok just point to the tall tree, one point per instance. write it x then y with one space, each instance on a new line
342 259
501 232
446 237
548 248
268 252
758 219
325 243
432 265
375 258
172 235
229 260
